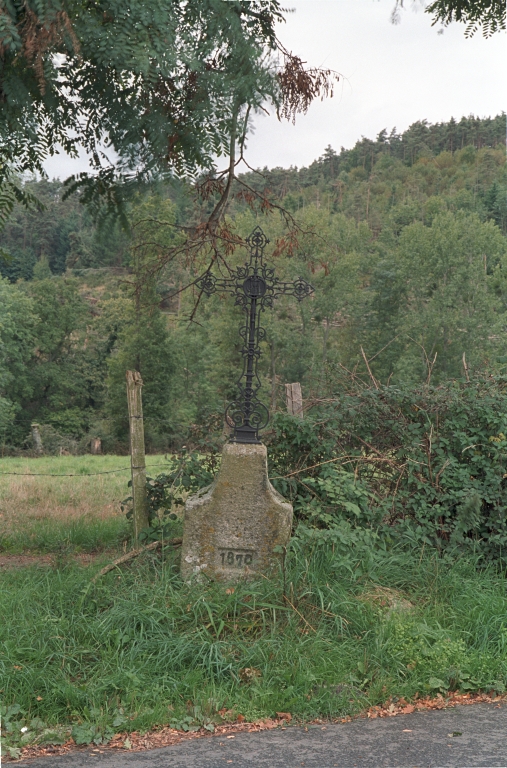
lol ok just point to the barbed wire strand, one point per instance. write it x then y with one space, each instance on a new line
78 474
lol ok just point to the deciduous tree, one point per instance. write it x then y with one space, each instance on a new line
147 89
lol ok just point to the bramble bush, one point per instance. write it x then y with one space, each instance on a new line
425 463
166 493
429 462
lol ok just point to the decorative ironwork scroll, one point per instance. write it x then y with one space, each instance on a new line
255 288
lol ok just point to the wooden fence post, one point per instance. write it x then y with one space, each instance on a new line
37 440
96 446
294 398
137 460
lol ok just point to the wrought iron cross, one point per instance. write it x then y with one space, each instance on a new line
255 287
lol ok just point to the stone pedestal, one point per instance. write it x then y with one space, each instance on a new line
232 527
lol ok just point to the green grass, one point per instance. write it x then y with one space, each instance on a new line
353 625
141 648
54 514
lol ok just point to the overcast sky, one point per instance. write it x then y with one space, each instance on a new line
391 76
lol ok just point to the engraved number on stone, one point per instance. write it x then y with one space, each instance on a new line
236 559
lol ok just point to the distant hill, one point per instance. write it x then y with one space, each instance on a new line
395 175
420 139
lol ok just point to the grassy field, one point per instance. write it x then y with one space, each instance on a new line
338 631
140 648
53 514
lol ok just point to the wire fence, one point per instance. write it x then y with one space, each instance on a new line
78 474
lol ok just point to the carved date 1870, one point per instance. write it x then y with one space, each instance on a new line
235 558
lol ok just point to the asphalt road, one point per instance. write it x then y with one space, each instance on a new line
463 737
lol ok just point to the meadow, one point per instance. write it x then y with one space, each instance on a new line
43 509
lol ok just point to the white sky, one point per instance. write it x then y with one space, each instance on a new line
392 76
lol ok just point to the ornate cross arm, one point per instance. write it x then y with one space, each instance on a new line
255 287
209 284
265 286
299 288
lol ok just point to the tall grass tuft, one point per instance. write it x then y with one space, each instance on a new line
141 648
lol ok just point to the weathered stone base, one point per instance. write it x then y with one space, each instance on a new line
232 527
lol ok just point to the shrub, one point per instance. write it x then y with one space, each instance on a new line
427 463
430 461
167 492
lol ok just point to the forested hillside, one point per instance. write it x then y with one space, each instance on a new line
403 238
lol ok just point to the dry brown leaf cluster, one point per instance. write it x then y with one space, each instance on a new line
43 36
166 737
301 85
162 737
249 674
451 699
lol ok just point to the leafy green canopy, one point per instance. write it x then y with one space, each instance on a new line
17 337
408 262
159 85
476 14
488 14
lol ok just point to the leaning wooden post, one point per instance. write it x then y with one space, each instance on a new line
37 440
96 446
294 399
137 460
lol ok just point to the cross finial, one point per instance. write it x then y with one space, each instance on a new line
257 241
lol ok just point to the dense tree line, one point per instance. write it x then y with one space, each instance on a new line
420 139
382 167
403 238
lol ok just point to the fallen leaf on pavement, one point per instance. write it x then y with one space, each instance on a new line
166 736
